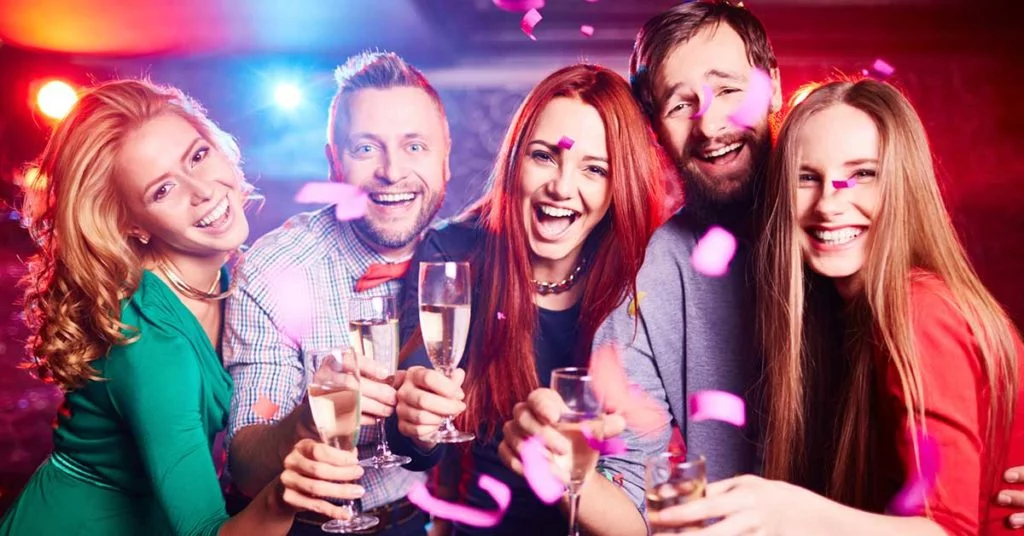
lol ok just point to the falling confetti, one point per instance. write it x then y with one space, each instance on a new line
566 143
587 30
634 304
349 201
883 68
641 412
265 408
501 315
291 303
460 513
848 183
519 6
753 110
911 499
537 471
530 20
705 101
718 406
612 445
714 252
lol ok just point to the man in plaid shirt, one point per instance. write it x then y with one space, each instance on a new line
388 135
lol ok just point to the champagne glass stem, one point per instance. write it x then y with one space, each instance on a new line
383 450
574 511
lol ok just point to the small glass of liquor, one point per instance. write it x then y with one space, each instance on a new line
674 479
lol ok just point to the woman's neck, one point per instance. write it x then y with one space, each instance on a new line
553 271
201 273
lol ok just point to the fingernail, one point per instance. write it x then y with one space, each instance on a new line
1011 476
361 491
1017 521
1003 499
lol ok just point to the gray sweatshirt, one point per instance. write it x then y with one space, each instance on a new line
694 333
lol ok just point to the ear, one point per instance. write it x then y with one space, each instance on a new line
137 233
776 104
333 168
447 161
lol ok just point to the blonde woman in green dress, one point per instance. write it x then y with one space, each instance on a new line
142 207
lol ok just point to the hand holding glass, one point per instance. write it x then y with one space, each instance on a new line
673 479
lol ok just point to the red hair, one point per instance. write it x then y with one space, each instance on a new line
501 362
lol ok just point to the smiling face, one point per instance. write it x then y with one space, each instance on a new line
718 159
839 143
395 148
179 190
565 192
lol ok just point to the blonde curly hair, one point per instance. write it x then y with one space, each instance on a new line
86 264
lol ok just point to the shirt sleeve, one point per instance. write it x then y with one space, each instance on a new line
264 363
155 385
955 394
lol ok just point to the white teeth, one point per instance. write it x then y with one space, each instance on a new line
556 212
393 198
719 152
838 236
214 214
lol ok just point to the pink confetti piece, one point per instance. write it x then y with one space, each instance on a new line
611 445
705 102
291 303
587 30
911 499
848 183
519 6
718 406
350 202
530 20
265 408
714 252
537 471
642 413
753 110
501 315
460 513
566 142
883 68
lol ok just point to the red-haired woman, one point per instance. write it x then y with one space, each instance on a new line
555 245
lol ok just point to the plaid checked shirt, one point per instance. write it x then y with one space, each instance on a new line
293 289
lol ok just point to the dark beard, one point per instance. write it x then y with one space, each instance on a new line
733 210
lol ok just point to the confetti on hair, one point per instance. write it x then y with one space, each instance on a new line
501 315
714 252
754 107
537 471
718 406
882 67
587 30
530 20
912 497
634 304
349 201
460 513
641 412
519 6
705 102
847 183
265 408
611 445
565 142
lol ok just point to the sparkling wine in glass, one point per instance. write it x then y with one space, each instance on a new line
445 302
373 332
674 479
584 412
334 403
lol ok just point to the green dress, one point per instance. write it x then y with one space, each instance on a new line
135 454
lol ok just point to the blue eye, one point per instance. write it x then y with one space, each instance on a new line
365 148
417 147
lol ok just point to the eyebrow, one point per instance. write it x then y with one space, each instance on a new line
555 148
184 157
367 135
847 164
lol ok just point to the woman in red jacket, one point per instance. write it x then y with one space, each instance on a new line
883 348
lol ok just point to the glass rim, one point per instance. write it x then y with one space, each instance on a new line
578 373
442 263
371 299
676 459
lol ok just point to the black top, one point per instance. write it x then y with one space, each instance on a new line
554 342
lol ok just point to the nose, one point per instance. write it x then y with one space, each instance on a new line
831 202
203 190
714 121
563 185
392 168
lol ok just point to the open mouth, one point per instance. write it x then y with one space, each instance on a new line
836 237
723 155
385 199
217 216
553 222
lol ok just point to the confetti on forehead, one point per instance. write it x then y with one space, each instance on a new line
460 513
566 143
707 94
349 201
714 252
883 68
519 6
587 30
912 497
537 471
530 20
753 110
718 406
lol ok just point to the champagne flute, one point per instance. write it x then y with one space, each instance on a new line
373 332
334 402
674 479
583 414
445 301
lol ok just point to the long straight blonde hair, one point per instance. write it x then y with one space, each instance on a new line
912 230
